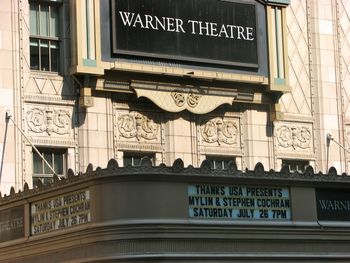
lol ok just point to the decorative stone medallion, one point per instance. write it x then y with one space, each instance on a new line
294 136
136 125
49 120
220 131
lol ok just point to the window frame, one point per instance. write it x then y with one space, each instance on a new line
223 159
141 155
53 152
296 163
50 39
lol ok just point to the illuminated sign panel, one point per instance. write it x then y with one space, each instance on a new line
208 31
239 202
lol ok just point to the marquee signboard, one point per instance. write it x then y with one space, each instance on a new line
60 212
239 202
216 32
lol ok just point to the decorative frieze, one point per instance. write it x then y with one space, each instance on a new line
294 137
220 131
135 125
49 120
176 98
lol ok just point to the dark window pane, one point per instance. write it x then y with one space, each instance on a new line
127 160
54 56
58 163
37 164
36 181
34 54
48 158
44 48
47 180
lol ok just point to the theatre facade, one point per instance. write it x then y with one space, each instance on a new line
190 103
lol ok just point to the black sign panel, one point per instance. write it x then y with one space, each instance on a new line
209 31
333 204
12 223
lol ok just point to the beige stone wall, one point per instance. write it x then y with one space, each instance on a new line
318 53
9 92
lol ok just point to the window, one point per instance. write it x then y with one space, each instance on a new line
44 37
55 157
296 165
134 159
219 163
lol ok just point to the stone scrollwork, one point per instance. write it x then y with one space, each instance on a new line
220 131
181 98
135 125
294 136
49 120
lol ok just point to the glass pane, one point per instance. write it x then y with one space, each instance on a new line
37 164
44 48
137 160
34 9
44 19
47 180
58 163
54 22
48 158
127 160
218 165
55 56
35 181
34 54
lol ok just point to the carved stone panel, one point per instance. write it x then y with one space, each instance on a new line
294 137
49 121
134 126
220 132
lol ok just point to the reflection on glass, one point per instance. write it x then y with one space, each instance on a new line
44 18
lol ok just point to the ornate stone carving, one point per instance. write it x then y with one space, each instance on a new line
294 136
136 125
49 120
180 98
220 131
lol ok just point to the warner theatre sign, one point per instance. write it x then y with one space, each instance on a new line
219 32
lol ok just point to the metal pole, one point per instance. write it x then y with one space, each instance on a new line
9 117
329 137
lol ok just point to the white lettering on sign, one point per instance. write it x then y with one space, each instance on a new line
60 212
195 27
238 202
